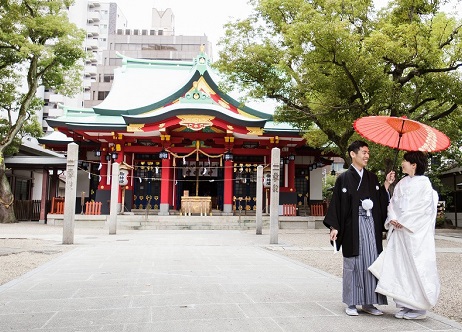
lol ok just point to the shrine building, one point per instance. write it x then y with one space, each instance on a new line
181 139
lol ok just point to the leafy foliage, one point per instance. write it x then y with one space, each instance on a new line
38 46
331 62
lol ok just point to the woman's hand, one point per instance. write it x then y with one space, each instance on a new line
396 224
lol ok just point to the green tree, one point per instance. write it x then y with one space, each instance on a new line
331 62
38 45
328 186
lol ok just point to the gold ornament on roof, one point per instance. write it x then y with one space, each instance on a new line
255 131
133 127
196 122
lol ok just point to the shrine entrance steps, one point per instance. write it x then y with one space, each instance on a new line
195 222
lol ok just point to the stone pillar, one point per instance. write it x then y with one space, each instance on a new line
228 188
274 204
114 199
70 193
259 212
165 186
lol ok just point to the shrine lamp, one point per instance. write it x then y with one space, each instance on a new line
228 156
163 154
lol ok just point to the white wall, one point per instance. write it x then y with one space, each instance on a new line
316 184
37 184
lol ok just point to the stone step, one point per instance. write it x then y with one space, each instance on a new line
177 222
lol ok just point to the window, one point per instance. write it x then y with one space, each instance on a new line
108 78
21 190
102 95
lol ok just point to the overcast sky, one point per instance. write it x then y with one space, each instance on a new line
197 17
191 17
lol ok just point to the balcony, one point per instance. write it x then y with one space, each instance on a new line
91 59
90 71
87 84
55 98
92 30
55 112
92 44
93 17
93 4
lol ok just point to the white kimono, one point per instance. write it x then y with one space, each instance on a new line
409 273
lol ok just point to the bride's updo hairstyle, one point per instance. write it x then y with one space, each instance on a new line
419 158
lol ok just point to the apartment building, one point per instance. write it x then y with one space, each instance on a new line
99 20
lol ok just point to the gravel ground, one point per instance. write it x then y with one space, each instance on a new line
20 255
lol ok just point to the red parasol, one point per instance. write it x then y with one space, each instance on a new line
401 133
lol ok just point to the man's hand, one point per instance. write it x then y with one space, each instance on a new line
333 234
389 179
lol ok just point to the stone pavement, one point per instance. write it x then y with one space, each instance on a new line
183 281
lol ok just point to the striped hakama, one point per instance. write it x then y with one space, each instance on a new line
358 283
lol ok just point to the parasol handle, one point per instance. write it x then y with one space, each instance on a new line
397 147
394 161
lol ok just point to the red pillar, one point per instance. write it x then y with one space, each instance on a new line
165 187
171 188
228 188
291 175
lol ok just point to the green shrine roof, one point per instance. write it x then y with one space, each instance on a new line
150 91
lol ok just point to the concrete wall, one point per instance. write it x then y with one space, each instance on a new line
83 183
452 217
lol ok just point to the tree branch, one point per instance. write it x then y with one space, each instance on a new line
451 37
418 105
419 72
445 113
358 94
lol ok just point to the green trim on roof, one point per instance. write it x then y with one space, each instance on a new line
134 62
202 62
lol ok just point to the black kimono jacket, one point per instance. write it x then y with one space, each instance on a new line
343 212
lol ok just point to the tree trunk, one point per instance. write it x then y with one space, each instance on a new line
6 198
